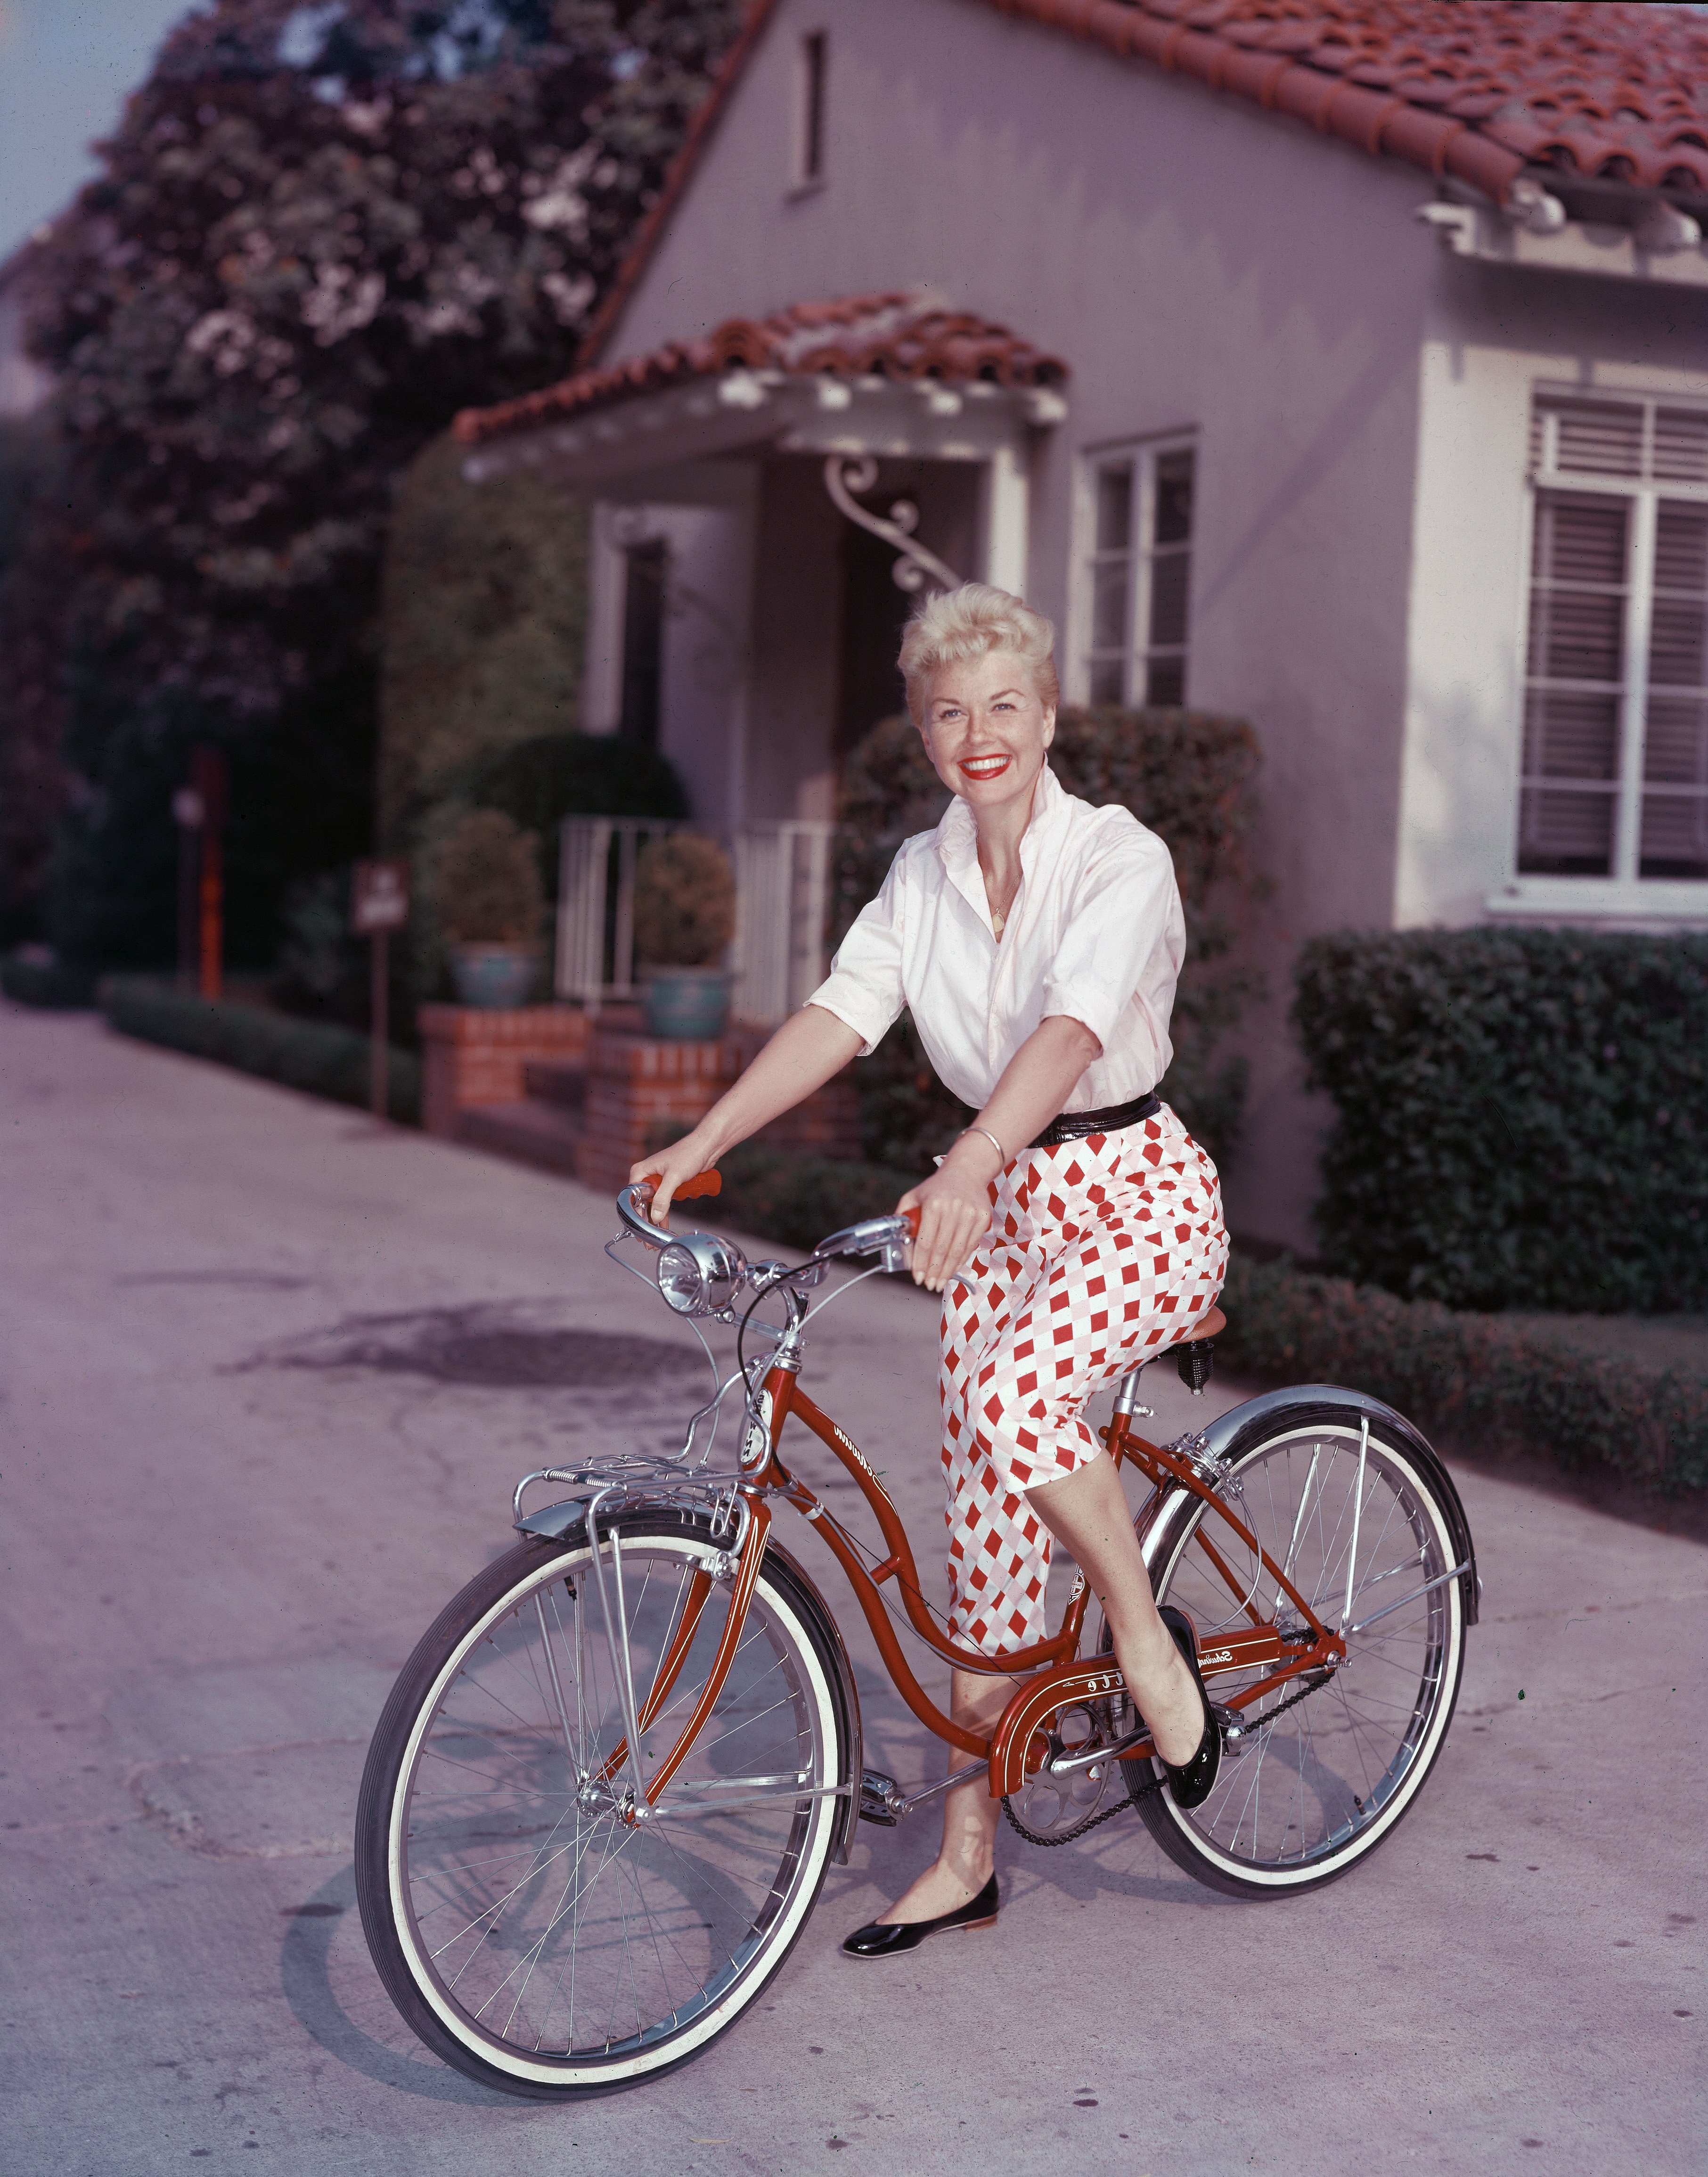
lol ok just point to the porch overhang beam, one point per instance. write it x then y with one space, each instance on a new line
753 412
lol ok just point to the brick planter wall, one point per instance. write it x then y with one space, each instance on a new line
639 1089
474 1055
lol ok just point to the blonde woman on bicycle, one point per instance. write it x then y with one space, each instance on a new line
1074 1225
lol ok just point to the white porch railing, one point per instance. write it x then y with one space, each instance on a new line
596 904
782 902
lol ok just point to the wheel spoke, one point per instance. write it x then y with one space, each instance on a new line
1297 1796
549 1927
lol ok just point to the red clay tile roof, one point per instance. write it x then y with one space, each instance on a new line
907 336
1606 88
1613 90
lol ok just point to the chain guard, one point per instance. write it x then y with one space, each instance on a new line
1054 1810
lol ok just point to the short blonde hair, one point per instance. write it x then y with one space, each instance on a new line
971 622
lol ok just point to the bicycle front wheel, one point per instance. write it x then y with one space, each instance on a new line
530 1933
1311 1793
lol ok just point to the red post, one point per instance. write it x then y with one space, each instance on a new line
208 779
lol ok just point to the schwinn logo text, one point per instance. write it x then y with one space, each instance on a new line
1216 1655
853 1450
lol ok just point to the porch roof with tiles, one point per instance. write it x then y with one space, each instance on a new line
900 338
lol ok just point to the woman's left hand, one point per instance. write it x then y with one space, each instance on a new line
954 1207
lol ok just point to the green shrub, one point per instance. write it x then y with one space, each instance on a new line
484 882
539 782
1189 777
1522 1115
313 1055
1487 1383
797 1200
684 901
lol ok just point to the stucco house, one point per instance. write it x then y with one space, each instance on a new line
1338 363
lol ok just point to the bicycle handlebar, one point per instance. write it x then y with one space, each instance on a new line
890 1236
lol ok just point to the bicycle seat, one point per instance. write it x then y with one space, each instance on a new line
1195 1356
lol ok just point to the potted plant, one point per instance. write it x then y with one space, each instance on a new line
685 916
485 877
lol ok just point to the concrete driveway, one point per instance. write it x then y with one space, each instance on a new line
269 1375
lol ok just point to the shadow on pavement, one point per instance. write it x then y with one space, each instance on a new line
306 1976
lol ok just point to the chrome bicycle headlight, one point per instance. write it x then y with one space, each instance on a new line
700 1273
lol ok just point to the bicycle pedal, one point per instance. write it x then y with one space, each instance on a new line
1240 1734
880 1798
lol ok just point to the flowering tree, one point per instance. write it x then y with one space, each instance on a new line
319 231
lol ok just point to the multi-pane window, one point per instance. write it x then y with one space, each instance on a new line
1615 779
1137 573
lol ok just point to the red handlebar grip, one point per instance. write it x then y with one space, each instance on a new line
703 1182
913 1217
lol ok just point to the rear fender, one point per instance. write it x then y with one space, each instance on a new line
1232 1433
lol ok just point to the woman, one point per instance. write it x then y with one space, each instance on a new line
1073 1227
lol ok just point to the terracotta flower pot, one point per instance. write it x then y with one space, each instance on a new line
686 1005
498 977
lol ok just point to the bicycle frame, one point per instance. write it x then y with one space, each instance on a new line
1052 1674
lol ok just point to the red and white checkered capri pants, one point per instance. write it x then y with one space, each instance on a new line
1098 1250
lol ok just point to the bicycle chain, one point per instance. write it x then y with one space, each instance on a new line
1080 1828
1153 1783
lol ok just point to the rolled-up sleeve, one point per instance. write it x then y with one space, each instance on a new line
864 987
1124 936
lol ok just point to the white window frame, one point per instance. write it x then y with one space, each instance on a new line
809 133
1142 454
1624 895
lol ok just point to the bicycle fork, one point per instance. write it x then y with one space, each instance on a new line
643 1794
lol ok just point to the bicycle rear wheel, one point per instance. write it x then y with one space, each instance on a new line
1315 1791
529 1933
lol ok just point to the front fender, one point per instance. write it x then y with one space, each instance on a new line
1232 1433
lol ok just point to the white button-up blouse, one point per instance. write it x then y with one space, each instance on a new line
1095 932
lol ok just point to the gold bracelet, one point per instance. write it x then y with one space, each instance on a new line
1002 1153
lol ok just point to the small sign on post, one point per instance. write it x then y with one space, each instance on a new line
379 904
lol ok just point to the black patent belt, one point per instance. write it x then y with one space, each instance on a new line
1075 1126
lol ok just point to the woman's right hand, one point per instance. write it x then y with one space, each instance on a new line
954 1207
668 1169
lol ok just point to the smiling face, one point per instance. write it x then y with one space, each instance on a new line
986 727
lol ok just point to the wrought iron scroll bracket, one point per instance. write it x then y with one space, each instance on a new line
846 474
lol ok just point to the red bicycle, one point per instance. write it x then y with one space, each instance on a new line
603 1796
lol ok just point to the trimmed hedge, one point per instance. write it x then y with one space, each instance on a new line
313 1055
1486 1382
34 977
1482 1381
1523 1115
798 1199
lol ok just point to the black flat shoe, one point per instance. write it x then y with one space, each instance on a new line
1193 1782
884 1938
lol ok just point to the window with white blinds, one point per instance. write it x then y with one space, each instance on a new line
1615 778
1136 520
